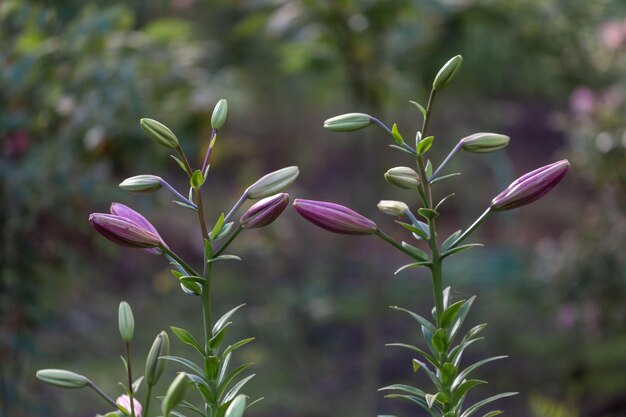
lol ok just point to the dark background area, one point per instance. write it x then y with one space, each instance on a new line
75 78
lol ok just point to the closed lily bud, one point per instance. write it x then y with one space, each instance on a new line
272 183
159 133
126 227
141 183
126 321
403 177
484 142
447 72
392 207
124 402
236 407
348 122
264 211
334 217
175 393
62 378
531 186
218 118
154 366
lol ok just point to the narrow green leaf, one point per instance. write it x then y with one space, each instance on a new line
419 401
217 228
471 410
211 367
444 177
449 240
254 402
189 364
237 407
460 249
224 258
197 179
457 352
417 252
225 231
443 200
405 388
426 356
400 148
217 338
459 379
187 338
463 388
430 373
221 322
429 169
235 389
446 297
460 317
180 164
421 320
192 284
187 405
494 413
450 314
425 145
185 205
427 213
419 231
225 381
137 384
397 137
440 341
237 345
413 265
448 373
420 107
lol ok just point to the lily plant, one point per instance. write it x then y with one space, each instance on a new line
440 356
218 386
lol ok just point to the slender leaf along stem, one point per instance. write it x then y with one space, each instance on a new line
129 371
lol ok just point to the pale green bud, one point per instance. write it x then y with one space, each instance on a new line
484 142
273 183
62 378
126 322
141 183
447 72
348 122
159 133
392 207
237 407
175 393
403 177
154 366
218 118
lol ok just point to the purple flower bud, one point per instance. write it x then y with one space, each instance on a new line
531 186
334 217
124 401
264 211
126 227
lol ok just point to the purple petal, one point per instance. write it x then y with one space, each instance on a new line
123 232
334 217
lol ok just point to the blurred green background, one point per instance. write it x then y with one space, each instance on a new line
76 76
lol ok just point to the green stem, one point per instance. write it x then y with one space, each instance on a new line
179 260
391 241
471 229
101 393
147 402
206 304
437 273
130 380
229 241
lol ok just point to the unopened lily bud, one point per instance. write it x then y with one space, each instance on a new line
123 231
484 142
141 183
335 217
403 177
348 122
126 322
264 211
154 366
447 72
237 407
392 207
175 393
62 378
159 133
124 402
272 183
218 118
531 186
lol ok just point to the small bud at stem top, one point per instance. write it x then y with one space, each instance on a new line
348 122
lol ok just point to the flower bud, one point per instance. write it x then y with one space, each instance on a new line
62 378
334 217
141 183
154 366
403 177
124 402
531 186
447 72
348 122
218 118
272 183
159 133
175 393
236 407
264 211
484 142
126 321
393 208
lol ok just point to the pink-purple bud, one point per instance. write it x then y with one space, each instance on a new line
126 227
124 402
264 211
531 186
334 217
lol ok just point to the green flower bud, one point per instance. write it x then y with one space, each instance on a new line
62 378
392 207
175 393
126 322
141 183
348 122
447 72
273 183
218 118
403 177
154 366
159 133
484 142
237 407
